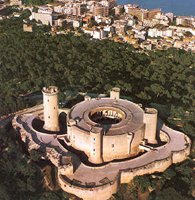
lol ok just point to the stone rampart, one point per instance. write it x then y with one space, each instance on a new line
156 166
179 156
90 192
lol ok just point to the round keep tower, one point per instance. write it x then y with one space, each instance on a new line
150 120
50 103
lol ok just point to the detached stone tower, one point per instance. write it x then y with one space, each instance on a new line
150 120
50 103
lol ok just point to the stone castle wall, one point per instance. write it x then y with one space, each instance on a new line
115 147
138 136
79 139
156 166
89 193
109 148
179 156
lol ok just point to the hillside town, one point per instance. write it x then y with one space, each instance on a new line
103 19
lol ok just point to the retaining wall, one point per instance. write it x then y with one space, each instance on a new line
92 193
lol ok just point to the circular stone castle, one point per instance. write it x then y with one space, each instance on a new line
100 143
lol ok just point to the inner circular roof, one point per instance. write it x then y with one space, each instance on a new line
131 116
